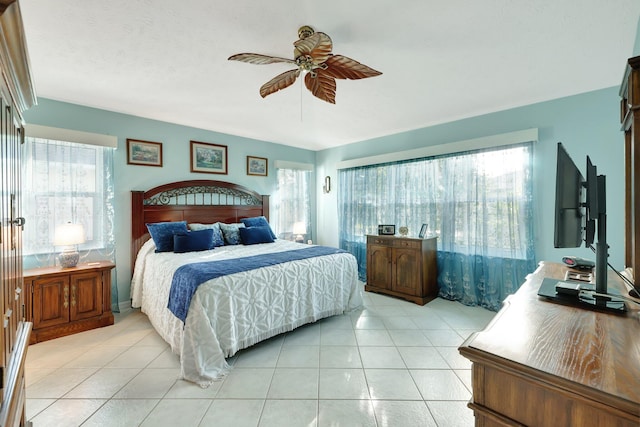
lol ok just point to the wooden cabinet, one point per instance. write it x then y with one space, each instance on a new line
402 267
539 363
64 301
630 117
16 96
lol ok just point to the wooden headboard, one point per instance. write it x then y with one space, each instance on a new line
203 201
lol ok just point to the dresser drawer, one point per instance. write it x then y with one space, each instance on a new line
408 244
373 240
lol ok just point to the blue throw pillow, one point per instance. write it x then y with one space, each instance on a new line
253 235
162 234
231 233
192 241
258 221
218 239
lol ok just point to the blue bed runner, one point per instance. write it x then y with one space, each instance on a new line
187 278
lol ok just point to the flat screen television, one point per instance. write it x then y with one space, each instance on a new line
570 202
580 213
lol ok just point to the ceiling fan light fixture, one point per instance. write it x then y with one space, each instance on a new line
313 57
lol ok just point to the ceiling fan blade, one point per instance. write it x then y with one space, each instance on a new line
256 58
342 67
322 86
317 45
280 81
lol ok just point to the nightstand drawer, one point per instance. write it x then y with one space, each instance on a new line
409 244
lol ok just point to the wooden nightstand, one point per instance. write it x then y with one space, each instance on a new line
64 301
402 267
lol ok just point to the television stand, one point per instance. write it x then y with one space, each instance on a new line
543 364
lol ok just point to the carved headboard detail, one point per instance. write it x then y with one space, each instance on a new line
204 201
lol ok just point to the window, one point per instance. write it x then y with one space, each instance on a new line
292 206
67 182
477 203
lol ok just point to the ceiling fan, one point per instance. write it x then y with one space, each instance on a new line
312 56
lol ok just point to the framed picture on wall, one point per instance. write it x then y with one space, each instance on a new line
145 153
257 166
208 158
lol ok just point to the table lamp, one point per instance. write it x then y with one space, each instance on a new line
299 228
69 236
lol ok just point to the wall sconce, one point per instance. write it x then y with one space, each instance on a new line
69 236
326 188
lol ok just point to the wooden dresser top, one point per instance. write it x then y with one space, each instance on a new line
597 353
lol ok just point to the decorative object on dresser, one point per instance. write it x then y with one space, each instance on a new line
258 166
69 236
66 301
402 267
144 153
208 158
404 231
386 230
541 364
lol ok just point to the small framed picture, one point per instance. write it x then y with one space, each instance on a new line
386 230
208 158
423 231
257 166
145 153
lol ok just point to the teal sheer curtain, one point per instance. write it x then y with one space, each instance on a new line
68 182
478 204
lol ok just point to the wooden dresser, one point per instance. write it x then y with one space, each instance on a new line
402 267
539 363
64 301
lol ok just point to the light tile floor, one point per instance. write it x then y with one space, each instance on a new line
392 363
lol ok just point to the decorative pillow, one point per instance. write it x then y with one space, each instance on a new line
218 240
231 233
258 221
192 241
162 234
253 235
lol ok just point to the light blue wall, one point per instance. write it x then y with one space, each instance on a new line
176 166
587 124
636 49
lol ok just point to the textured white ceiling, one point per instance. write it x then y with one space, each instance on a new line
441 60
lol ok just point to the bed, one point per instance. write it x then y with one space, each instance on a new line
236 310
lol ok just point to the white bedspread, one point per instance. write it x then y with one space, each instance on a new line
236 311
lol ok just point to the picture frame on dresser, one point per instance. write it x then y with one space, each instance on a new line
208 158
144 153
386 230
423 231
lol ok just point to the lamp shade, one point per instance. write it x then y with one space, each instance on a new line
68 234
299 228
